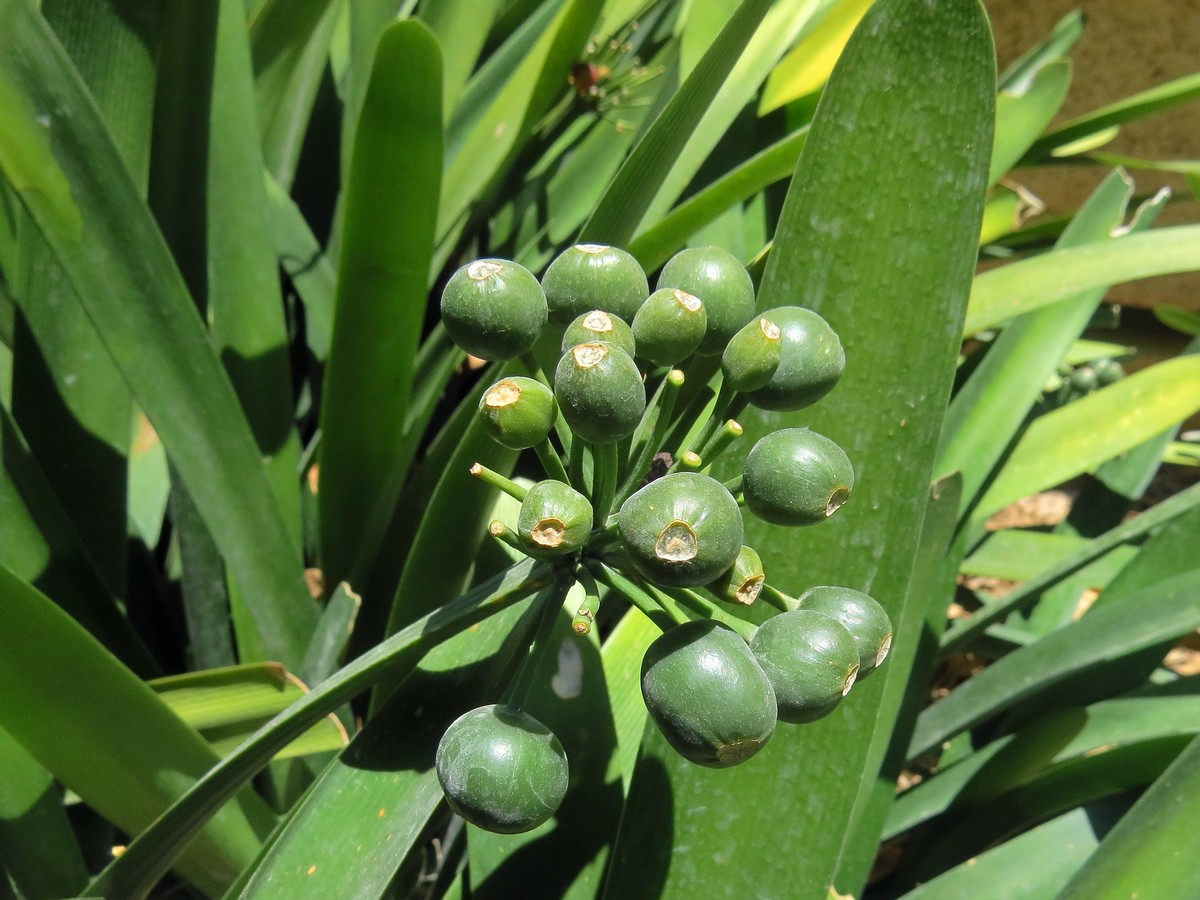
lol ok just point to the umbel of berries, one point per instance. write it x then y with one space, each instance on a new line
501 769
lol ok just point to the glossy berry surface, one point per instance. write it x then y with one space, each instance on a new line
861 614
501 769
494 309
594 276
811 661
708 695
811 361
683 529
721 282
795 476
600 392
518 412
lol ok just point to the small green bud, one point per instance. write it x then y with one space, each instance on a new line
721 282
743 582
811 361
501 769
862 615
669 326
518 412
1108 371
682 530
594 276
1084 380
752 356
810 660
600 391
598 325
708 695
494 309
796 477
555 520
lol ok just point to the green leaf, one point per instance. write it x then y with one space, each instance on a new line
1186 501
331 635
806 67
657 244
988 412
1019 555
289 42
842 259
1142 619
657 151
1066 32
227 705
144 315
1144 854
37 845
1022 113
462 26
1031 866
1008 291
1080 436
110 740
622 655
150 855
1180 319
1101 124
385 257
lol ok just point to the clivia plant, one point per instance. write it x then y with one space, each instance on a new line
276 276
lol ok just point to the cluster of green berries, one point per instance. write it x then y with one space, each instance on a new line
628 502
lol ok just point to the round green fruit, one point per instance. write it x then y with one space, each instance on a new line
594 276
811 361
501 769
721 282
796 477
518 412
669 326
600 392
708 695
811 661
494 309
681 530
861 615
598 325
752 355
555 519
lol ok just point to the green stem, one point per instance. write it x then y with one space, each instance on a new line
655 422
632 592
534 368
605 465
585 615
690 461
734 485
707 609
153 852
504 535
517 694
721 441
687 420
724 398
575 467
551 462
777 598
496 480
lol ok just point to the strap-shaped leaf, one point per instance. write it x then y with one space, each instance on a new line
78 191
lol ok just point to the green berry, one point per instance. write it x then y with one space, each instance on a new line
494 309
600 391
811 661
518 412
555 520
721 282
1084 380
743 581
598 325
594 276
669 326
811 361
862 616
682 530
1108 371
796 477
708 695
752 356
501 769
